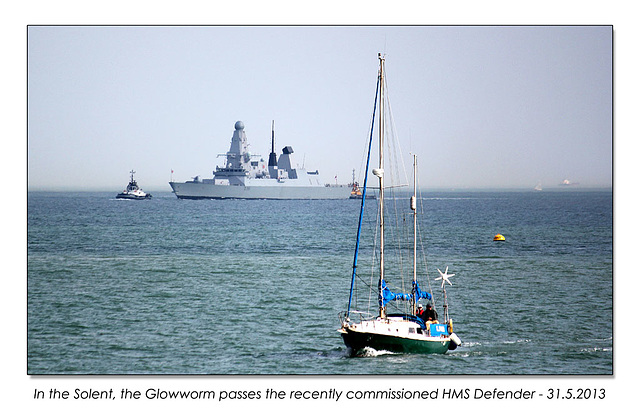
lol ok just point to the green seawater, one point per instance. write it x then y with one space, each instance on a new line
169 286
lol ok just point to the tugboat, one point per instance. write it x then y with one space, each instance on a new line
133 191
356 192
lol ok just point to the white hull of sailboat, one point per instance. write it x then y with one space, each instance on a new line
395 334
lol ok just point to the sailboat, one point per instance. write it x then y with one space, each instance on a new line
407 331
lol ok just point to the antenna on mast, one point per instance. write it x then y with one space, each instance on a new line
273 161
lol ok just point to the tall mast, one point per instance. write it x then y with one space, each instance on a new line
272 137
272 155
273 160
415 228
381 179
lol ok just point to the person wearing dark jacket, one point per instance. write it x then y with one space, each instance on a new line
429 315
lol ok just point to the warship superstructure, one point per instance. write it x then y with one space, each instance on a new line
248 176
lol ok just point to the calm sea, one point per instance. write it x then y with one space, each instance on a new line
169 286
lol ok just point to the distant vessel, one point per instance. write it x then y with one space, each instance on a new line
133 191
356 191
538 187
246 176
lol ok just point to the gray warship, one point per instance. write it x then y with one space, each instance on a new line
248 176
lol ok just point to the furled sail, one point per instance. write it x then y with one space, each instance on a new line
388 295
421 294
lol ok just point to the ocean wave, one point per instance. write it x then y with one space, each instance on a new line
367 352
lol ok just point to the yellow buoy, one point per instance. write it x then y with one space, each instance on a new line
498 237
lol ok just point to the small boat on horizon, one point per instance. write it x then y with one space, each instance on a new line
356 191
132 191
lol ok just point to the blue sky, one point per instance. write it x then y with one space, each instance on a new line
483 106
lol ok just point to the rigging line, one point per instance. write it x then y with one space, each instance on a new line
394 134
421 203
396 241
371 290
369 238
368 286
424 260
363 160
364 193
394 152
399 239
374 258
361 279
424 254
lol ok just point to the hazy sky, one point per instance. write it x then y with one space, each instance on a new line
482 106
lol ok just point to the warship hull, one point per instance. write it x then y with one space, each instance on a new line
258 189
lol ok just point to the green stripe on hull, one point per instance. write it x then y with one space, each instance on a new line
357 341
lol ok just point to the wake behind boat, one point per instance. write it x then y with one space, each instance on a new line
132 191
412 329
247 176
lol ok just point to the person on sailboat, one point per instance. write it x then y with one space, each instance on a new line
420 311
429 315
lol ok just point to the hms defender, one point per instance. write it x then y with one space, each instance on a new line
246 176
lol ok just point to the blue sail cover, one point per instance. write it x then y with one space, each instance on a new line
388 295
421 294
